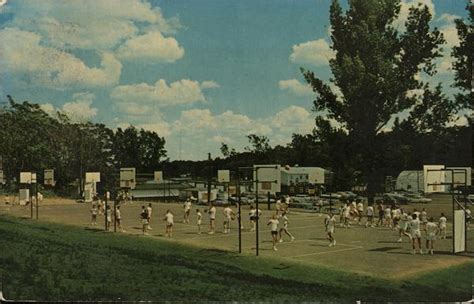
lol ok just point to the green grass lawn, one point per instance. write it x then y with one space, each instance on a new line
45 261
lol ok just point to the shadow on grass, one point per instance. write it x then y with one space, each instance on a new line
383 249
93 229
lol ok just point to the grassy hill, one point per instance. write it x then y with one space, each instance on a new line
45 261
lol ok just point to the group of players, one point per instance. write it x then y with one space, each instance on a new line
392 216
410 225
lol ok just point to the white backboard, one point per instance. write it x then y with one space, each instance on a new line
158 176
92 177
223 176
316 176
34 180
25 177
49 177
434 179
127 178
269 178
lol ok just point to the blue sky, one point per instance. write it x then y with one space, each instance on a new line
197 72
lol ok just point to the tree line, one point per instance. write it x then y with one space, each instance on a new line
33 140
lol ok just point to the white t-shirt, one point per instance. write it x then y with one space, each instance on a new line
109 215
329 222
117 214
442 222
227 213
468 213
415 224
212 213
149 211
94 211
360 207
417 214
199 217
431 228
346 211
274 224
370 211
187 206
388 212
252 212
169 218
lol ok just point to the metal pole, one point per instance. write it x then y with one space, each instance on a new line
258 216
453 199
105 213
240 211
209 180
36 187
268 198
31 201
115 212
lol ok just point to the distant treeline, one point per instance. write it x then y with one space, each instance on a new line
33 140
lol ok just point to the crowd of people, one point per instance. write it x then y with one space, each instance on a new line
414 225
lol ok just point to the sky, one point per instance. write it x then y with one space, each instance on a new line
199 73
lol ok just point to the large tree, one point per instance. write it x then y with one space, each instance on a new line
463 55
377 68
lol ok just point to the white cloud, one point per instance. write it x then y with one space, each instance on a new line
295 87
316 52
133 108
151 47
48 108
161 127
210 84
23 53
199 131
404 11
79 109
184 91
293 119
88 24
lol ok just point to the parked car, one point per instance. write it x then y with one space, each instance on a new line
417 198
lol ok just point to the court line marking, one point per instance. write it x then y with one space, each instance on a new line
244 233
304 240
324 252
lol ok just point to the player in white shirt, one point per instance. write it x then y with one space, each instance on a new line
284 229
403 225
169 218
199 220
346 215
423 218
149 211
360 211
395 217
388 217
229 215
415 226
468 218
212 219
274 230
442 226
144 219
108 216
431 232
415 211
118 218
329 225
94 212
253 216
370 216
187 210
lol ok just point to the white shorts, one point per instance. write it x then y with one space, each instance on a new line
169 223
415 234
431 237
199 222
330 230
403 226
144 221
442 227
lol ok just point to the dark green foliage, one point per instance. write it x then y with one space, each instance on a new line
33 141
